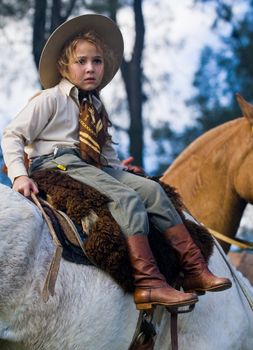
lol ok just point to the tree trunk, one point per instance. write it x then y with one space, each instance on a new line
132 76
45 22
39 27
56 18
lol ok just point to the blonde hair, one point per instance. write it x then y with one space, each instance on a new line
68 52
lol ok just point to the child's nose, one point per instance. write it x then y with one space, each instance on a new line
89 66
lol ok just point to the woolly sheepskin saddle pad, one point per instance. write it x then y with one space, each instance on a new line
105 245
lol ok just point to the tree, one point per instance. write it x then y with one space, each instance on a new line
46 19
133 78
15 9
223 71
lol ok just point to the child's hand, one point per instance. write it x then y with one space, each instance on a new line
134 168
24 185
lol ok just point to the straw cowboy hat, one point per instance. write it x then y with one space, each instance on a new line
104 27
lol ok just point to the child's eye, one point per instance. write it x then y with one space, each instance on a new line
98 60
81 61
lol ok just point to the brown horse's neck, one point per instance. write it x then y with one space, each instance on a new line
207 145
204 175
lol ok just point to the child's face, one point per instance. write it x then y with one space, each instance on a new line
86 69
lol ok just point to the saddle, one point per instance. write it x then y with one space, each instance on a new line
89 234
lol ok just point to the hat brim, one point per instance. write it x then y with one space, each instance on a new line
104 27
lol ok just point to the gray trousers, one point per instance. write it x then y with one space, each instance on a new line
132 198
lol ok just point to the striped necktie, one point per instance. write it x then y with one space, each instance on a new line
91 132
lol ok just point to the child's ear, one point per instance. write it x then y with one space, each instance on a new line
60 70
63 71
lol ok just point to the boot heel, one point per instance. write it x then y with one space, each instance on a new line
200 292
196 291
144 306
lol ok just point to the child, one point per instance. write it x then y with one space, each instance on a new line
66 127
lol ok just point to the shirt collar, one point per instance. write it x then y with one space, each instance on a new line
97 103
68 88
71 90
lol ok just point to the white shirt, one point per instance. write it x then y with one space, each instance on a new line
49 120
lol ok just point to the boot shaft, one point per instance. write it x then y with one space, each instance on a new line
197 276
189 254
151 286
144 265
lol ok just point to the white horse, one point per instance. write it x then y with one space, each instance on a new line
89 311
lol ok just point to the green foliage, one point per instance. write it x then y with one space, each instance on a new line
12 8
162 135
223 71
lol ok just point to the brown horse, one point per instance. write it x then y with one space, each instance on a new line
214 174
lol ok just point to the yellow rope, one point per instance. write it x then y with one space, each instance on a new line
237 242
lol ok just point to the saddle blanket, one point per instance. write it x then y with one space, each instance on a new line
103 241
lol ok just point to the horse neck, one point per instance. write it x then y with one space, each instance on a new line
224 138
204 175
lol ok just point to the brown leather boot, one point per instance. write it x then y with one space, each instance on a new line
197 276
151 286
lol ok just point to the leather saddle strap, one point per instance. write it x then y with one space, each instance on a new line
173 324
69 227
49 285
173 331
